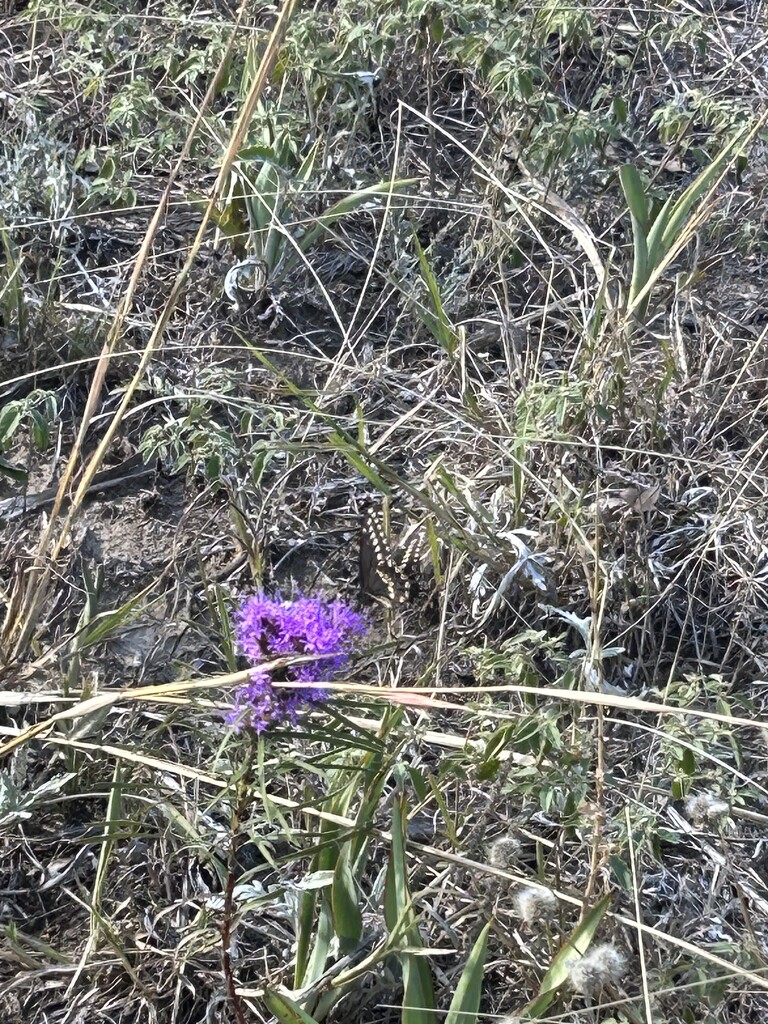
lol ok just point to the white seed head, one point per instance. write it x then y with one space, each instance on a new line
600 966
706 807
504 852
535 905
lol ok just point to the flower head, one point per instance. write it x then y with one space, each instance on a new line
600 966
268 628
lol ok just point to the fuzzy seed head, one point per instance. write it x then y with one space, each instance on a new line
504 852
600 966
535 906
706 807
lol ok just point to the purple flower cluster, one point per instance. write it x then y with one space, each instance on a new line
268 628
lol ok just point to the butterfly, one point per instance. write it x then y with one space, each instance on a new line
387 572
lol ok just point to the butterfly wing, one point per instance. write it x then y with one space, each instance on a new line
385 573
377 571
406 561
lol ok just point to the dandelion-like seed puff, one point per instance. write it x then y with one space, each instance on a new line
268 628
601 965
535 906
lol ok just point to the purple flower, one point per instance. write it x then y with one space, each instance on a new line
268 628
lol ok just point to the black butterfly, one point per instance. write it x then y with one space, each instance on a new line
386 572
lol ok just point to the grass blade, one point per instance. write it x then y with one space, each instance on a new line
466 999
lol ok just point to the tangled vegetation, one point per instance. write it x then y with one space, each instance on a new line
482 281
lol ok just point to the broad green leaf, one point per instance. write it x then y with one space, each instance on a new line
257 152
466 999
13 471
621 872
10 418
107 171
41 430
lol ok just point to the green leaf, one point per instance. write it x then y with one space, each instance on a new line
634 193
306 918
347 919
105 624
696 190
350 203
107 171
10 418
256 152
435 319
688 762
359 462
576 946
466 999
286 1010
418 992
304 172
621 872
13 471
323 938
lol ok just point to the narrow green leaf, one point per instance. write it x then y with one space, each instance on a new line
656 250
350 203
634 193
466 999
437 320
576 946
304 172
306 919
418 991
286 1010
101 626
359 462
323 938
347 919
697 188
